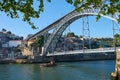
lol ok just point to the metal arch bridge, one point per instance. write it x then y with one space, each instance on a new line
60 25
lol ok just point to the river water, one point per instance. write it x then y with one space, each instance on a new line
84 70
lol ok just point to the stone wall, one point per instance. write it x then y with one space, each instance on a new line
116 75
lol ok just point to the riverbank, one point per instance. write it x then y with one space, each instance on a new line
16 61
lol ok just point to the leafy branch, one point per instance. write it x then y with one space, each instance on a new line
14 8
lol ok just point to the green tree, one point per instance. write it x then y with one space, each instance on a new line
4 30
39 42
80 36
13 8
70 34
107 7
26 7
117 38
9 32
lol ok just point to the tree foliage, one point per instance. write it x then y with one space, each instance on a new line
4 30
13 8
70 34
107 7
39 42
9 32
117 39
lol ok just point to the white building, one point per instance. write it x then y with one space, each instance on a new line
15 43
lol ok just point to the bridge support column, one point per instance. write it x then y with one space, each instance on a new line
42 51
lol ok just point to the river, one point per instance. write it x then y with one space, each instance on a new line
83 70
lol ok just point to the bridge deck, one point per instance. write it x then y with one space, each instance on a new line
86 51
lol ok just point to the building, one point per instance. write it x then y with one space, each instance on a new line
3 38
8 39
14 43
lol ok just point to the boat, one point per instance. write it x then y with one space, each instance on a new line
50 64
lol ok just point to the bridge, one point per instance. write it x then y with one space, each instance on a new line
59 26
86 51
80 55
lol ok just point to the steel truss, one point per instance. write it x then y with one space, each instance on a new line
86 32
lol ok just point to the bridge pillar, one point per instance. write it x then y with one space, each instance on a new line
42 51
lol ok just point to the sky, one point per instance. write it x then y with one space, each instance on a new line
52 12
